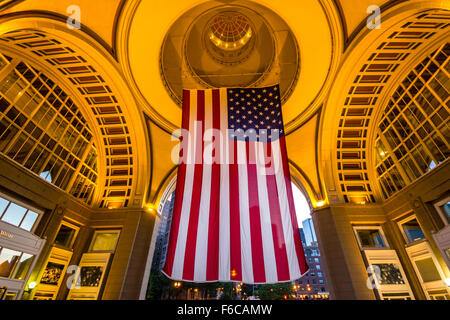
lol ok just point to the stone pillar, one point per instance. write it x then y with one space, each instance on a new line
127 270
344 267
137 264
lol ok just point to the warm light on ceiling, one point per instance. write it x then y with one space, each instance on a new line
230 31
320 203
114 205
226 45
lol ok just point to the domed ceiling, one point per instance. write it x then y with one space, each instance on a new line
229 46
186 45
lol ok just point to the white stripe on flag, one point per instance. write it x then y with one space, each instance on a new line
224 224
294 270
270 263
244 214
201 250
178 262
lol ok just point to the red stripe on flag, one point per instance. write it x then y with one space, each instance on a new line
275 217
212 266
259 273
181 177
287 176
235 235
191 240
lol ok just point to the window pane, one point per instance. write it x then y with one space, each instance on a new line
65 236
23 266
371 238
427 270
445 209
27 147
8 259
17 145
30 219
7 132
10 295
3 204
105 241
413 231
14 214
434 150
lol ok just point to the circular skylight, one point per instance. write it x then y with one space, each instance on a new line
230 31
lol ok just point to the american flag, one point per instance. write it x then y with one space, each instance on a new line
234 217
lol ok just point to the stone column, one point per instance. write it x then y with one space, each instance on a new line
344 266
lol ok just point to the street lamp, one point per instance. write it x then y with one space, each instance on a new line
177 286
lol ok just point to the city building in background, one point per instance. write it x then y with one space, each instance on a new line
162 239
308 230
302 236
313 285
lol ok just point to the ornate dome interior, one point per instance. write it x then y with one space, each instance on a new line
230 46
229 43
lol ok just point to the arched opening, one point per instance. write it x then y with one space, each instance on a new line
310 286
413 132
159 286
313 284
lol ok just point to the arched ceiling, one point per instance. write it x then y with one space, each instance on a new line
354 14
123 40
99 16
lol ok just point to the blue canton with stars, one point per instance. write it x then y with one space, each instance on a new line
254 114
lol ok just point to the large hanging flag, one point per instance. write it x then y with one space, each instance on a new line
234 217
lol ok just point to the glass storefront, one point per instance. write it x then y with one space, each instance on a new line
14 264
19 247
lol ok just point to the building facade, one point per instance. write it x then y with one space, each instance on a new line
90 96
313 285
308 230
162 240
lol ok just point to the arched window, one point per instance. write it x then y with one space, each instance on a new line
43 130
414 131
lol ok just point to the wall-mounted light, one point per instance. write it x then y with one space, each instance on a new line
31 286
320 203
447 282
150 208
